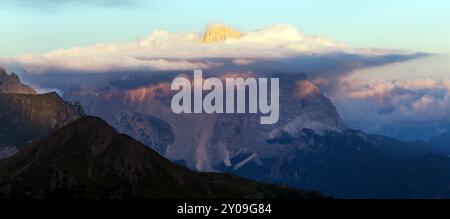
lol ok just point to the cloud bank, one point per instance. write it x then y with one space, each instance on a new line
368 96
396 97
163 50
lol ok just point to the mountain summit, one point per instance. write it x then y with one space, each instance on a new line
218 33
11 84
27 116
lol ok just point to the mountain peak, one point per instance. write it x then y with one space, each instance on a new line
92 132
12 84
92 122
218 33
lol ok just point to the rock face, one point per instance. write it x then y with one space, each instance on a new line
11 84
228 136
26 116
89 159
204 141
219 33
109 105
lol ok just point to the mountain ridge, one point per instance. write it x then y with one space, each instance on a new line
89 159
309 148
12 84
27 116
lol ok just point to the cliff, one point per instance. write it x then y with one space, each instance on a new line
219 33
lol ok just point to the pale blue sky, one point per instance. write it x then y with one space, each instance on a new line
34 26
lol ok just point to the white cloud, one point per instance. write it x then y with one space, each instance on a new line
163 50
412 92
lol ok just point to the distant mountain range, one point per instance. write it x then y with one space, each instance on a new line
87 158
309 148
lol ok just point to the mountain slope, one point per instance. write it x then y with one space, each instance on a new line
89 159
28 117
202 141
310 147
149 130
351 165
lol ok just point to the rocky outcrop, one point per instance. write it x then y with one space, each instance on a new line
218 33
11 84
26 116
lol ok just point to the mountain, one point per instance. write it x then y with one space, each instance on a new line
400 149
218 33
27 116
351 164
89 159
11 84
310 147
107 104
203 141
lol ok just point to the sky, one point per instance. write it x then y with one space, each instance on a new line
382 90
38 26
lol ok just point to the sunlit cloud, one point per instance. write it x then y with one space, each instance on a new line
413 92
163 50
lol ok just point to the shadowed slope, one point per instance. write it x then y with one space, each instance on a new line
89 159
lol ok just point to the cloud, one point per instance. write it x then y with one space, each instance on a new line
163 50
372 88
415 93
352 77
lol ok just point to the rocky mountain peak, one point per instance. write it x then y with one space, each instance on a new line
218 33
10 83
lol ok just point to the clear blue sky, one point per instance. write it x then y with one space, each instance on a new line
33 26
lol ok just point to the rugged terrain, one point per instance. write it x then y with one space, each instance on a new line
89 159
203 141
11 84
26 116
309 148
